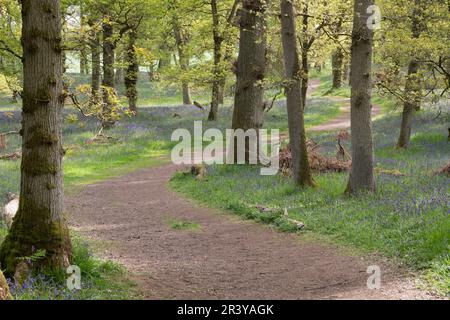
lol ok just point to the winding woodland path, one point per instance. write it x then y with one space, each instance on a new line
228 258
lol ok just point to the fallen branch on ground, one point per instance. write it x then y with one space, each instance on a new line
318 162
101 138
198 105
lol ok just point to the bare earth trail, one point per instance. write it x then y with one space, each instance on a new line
226 259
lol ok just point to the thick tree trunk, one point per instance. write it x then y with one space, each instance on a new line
338 68
39 224
295 106
251 68
183 59
216 85
412 87
132 73
108 73
362 177
96 68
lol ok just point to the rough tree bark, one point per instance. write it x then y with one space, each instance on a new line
362 177
251 68
39 223
183 58
132 72
216 85
108 71
412 87
296 119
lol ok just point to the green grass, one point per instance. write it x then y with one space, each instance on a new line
325 88
407 219
182 225
92 164
100 280
144 141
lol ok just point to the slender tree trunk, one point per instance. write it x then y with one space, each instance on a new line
251 68
120 70
306 46
412 87
151 73
84 65
187 100
222 84
338 68
119 76
345 71
228 57
410 106
39 224
305 81
83 62
216 85
183 59
362 177
108 73
96 67
132 73
297 132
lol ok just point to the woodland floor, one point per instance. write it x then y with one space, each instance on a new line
225 257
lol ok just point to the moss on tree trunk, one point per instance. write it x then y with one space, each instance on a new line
251 70
131 76
362 178
295 97
39 224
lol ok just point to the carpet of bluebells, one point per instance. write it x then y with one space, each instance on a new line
408 219
140 138
100 280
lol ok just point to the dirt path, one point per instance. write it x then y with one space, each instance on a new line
343 121
227 258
